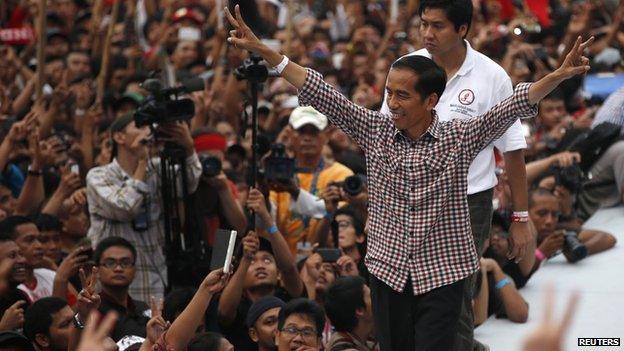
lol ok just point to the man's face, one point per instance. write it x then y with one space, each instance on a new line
265 329
439 32
51 240
54 71
498 241
57 46
405 103
130 136
327 275
78 64
61 328
551 112
76 224
299 330
544 214
116 267
347 237
10 250
7 201
309 141
28 241
185 53
262 271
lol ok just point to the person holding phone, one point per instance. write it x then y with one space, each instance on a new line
421 250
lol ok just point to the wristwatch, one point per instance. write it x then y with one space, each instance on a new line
77 323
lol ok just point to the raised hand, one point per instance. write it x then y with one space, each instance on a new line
215 281
72 263
251 244
347 266
257 203
157 325
13 317
242 36
88 298
575 63
95 336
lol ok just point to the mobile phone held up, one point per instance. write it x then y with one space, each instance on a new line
329 254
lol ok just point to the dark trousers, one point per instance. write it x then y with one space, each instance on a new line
406 322
480 205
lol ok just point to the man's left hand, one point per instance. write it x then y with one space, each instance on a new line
180 134
518 241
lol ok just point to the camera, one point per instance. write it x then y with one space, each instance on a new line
278 166
160 107
211 166
573 249
571 177
353 185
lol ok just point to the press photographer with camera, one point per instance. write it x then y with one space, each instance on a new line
125 199
299 207
575 243
215 201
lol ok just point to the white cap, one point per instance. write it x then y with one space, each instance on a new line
307 115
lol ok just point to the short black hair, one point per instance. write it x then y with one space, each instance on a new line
459 12
342 299
47 222
113 241
207 341
38 317
538 192
431 78
176 301
306 307
8 225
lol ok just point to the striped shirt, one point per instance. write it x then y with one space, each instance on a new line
419 225
116 199
612 110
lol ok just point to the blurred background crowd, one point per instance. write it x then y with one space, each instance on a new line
70 199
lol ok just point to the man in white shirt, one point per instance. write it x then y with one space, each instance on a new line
474 85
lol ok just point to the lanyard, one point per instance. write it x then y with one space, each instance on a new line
315 177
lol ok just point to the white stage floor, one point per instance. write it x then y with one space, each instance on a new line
599 279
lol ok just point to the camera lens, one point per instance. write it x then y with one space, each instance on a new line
353 185
211 166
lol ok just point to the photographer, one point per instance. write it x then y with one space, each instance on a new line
215 200
576 244
314 174
124 198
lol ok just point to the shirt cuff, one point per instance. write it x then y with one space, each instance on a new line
311 87
193 159
142 187
523 107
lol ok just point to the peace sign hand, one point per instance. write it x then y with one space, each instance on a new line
88 298
575 63
242 36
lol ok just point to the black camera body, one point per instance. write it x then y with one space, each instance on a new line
211 166
160 108
571 177
573 249
278 166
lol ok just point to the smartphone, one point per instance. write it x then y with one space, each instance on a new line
75 168
329 254
189 33
223 249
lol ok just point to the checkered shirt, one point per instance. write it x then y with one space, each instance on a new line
419 225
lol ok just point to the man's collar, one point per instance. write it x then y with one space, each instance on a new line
433 129
112 303
468 63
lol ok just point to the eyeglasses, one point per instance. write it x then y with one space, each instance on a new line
306 333
344 224
124 263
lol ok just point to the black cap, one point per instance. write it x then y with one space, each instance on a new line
9 338
259 307
54 32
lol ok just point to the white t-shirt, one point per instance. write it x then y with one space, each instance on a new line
479 84
44 286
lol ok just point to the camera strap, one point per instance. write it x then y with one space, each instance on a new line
315 177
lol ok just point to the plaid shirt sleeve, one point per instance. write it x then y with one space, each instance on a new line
483 130
356 121
111 199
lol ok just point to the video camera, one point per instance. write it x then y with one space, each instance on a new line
571 177
278 166
163 105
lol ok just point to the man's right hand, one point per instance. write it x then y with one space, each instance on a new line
331 195
552 243
72 263
251 244
13 317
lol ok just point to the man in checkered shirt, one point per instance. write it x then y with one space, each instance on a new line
420 246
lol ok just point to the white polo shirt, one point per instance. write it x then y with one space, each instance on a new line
479 84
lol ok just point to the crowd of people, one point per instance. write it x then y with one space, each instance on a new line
83 264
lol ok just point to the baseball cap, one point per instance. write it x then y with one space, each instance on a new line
307 115
188 13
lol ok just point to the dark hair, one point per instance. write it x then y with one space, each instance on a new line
538 192
431 78
342 299
305 307
38 317
176 301
358 224
459 12
208 341
48 222
9 225
113 241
